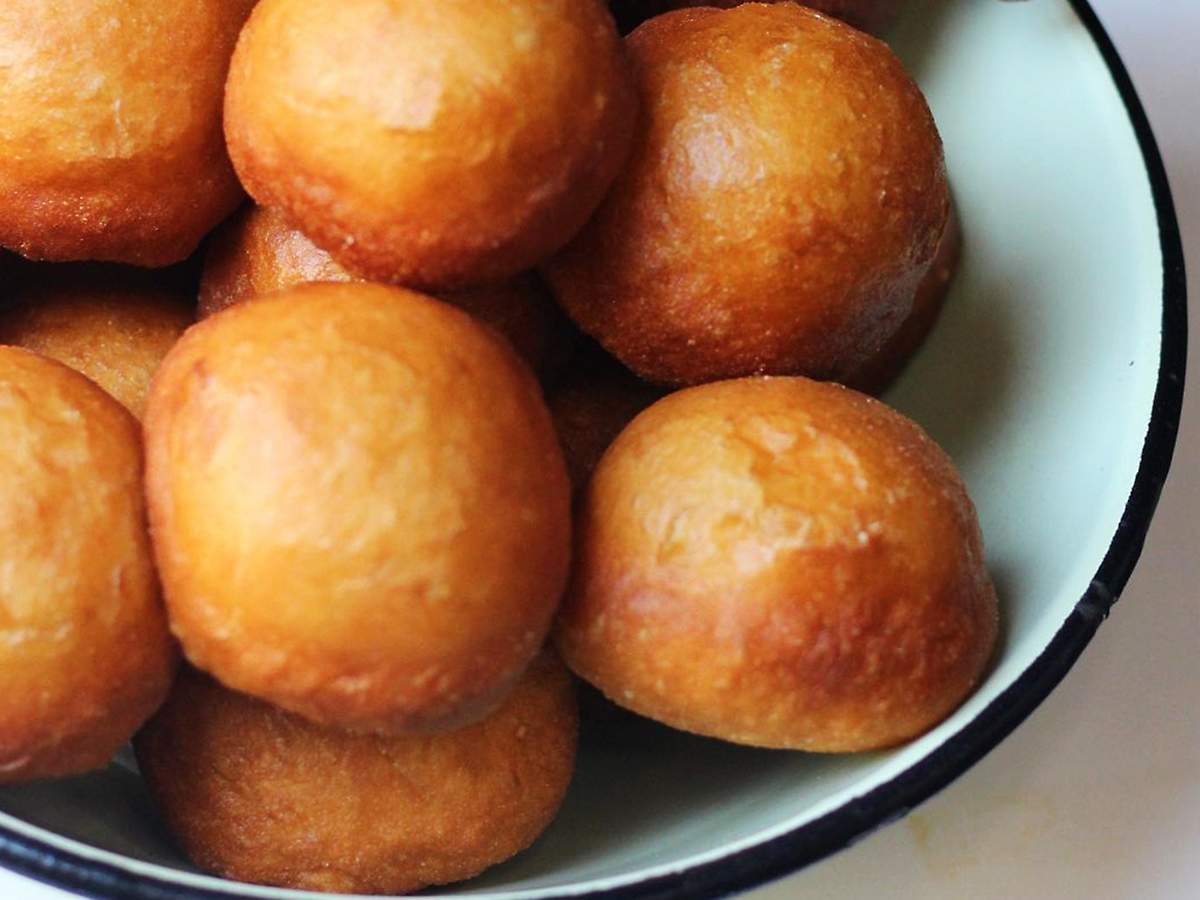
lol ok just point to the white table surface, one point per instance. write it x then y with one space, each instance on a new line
1098 794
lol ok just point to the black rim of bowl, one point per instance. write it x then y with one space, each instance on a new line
892 800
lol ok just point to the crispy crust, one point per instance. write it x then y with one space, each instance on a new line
114 334
783 563
785 196
256 794
439 145
85 656
110 128
360 509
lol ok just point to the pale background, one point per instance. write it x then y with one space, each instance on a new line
1098 794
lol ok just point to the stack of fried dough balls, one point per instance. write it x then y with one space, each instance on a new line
596 397
361 515
380 519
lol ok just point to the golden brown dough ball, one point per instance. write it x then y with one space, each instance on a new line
785 195
872 16
522 310
783 563
440 145
595 398
256 794
360 509
889 361
257 252
85 656
115 334
110 128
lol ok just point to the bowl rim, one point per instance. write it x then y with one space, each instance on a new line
893 799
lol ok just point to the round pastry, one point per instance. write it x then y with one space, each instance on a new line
872 16
85 656
595 398
256 794
440 145
785 196
360 510
110 129
116 334
889 361
522 310
257 252
782 563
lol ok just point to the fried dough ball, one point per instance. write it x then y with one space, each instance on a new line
889 361
591 403
872 16
257 252
110 129
360 510
440 145
782 563
115 334
85 656
523 311
784 198
257 794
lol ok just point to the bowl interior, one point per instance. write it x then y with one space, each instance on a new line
1038 380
